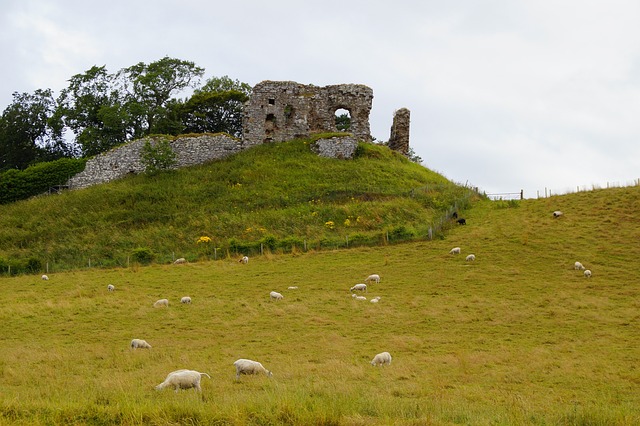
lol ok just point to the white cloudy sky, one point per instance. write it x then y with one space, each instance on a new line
504 95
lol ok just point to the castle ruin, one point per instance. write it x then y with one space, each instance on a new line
277 111
285 110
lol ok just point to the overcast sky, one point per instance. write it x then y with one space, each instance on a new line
504 95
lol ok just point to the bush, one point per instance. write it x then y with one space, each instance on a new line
18 185
143 255
400 233
157 156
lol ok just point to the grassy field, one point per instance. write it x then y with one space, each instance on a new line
516 337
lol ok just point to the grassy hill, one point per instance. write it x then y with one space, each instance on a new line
516 337
279 197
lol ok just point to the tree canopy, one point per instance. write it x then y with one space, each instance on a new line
99 110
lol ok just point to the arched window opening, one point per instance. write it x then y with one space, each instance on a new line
343 120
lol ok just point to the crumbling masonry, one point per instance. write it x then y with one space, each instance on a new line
277 111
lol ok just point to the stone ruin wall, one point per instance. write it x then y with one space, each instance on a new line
276 111
399 139
124 160
285 110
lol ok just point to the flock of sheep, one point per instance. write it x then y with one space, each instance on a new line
186 379
190 379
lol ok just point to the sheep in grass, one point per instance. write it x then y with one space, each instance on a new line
274 295
587 273
578 266
374 278
375 299
111 287
180 261
455 250
557 214
183 379
355 296
161 303
471 258
244 259
139 343
359 287
381 359
186 300
247 366
293 287
44 277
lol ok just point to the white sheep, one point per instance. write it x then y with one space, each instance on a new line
44 277
471 258
375 299
373 278
244 259
455 250
358 297
183 379
180 261
557 214
185 299
587 273
247 366
139 343
293 287
160 303
359 287
110 287
578 266
381 359
274 295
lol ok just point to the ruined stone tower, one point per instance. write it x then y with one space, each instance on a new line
399 139
284 110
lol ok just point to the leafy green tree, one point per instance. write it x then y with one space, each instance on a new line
30 131
343 122
151 86
215 107
92 107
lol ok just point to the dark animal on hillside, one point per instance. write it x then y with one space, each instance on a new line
461 221
454 215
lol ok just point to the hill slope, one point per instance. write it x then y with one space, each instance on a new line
516 337
280 196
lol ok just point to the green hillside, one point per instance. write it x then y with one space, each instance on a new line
516 337
279 197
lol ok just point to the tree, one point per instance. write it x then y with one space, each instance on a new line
157 156
30 131
217 106
151 86
92 106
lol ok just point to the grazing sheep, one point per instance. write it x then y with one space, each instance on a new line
183 379
139 343
359 287
244 259
461 221
587 273
375 299
293 287
471 258
578 266
180 261
247 366
185 299
110 287
557 214
274 295
373 278
455 250
358 297
160 303
381 359
44 277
